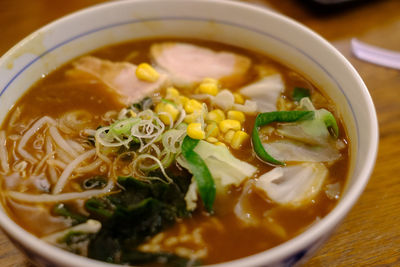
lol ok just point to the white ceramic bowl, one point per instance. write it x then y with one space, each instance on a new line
228 22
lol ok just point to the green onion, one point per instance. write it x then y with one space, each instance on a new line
63 210
200 171
123 127
276 116
166 101
299 93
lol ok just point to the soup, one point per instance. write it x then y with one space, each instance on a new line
171 153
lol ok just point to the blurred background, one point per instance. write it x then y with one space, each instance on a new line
370 234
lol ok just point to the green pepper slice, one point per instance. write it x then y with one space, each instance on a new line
200 171
275 116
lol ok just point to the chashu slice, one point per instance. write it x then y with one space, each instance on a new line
120 78
189 64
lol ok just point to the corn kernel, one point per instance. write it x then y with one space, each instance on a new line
220 144
169 109
212 139
193 105
165 119
238 98
239 138
227 125
191 117
183 100
147 73
212 130
194 131
208 88
236 115
216 115
172 93
132 113
229 136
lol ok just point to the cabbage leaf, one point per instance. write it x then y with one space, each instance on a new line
224 167
294 185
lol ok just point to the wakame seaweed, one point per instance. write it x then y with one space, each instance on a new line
61 209
139 211
132 146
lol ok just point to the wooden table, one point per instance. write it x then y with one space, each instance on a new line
370 234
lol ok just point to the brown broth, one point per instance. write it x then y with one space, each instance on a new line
57 93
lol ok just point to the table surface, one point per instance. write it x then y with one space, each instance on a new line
370 234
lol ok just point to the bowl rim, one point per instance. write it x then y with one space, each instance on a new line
288 248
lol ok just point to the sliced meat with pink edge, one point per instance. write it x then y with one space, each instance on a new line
120 78
189 64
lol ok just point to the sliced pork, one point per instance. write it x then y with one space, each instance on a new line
188 64
120 78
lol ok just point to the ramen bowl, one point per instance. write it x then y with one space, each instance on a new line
228 22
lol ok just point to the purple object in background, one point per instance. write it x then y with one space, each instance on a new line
335 2
324 7
376 55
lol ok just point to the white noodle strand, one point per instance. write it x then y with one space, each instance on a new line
63 156
61 142
47 198
3 153
50 168
69 169
41 163
28 134
76 146
91 167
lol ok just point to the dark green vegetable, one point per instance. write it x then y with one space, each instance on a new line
276 116
75 241
200 171
129 226
63 210
132 146
73 237
100 208
299 93
140 211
